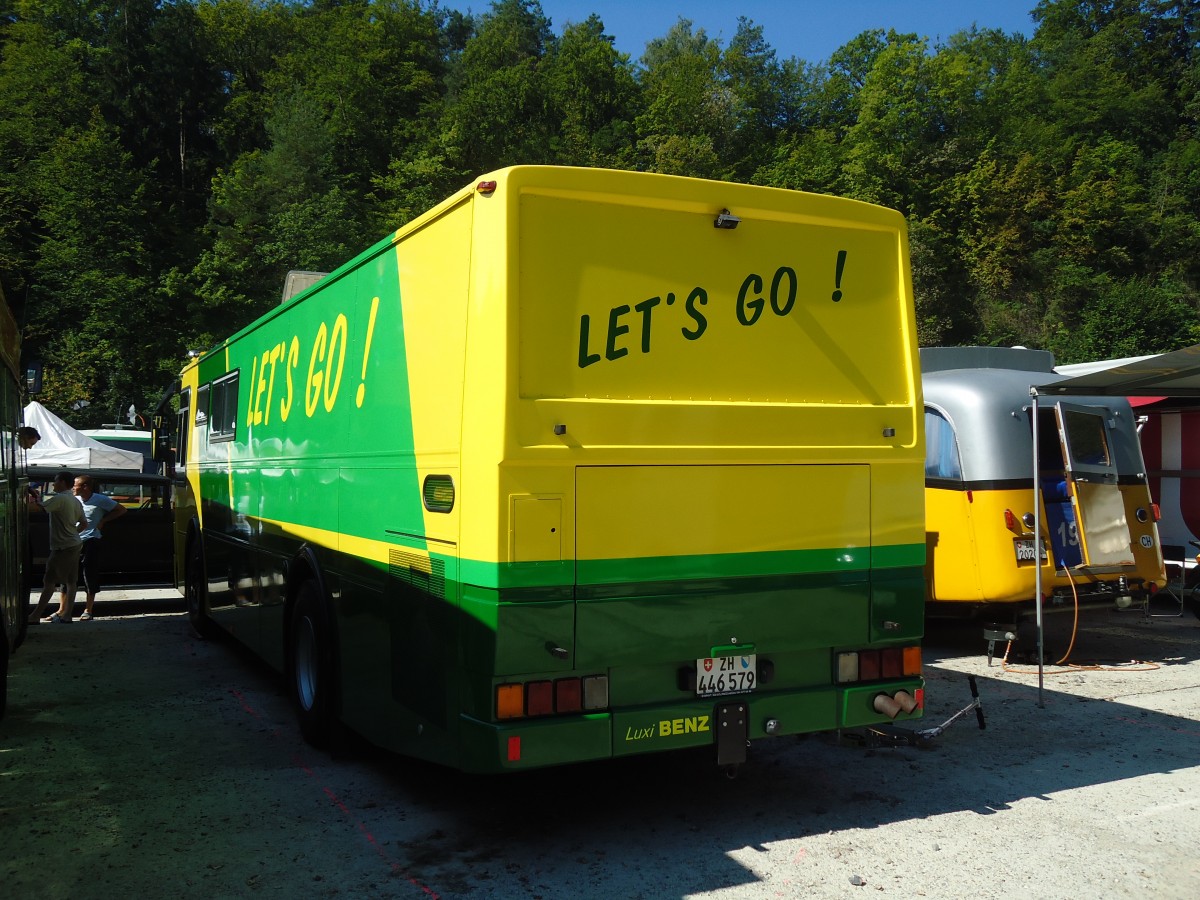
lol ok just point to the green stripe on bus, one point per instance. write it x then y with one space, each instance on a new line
839 561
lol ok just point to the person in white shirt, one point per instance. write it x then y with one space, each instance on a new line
67 521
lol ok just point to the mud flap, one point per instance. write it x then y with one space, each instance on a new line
733 732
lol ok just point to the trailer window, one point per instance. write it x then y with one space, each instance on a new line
941 447
1087 438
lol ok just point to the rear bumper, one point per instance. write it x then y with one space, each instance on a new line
552 741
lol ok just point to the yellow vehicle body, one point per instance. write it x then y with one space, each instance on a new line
972 558
1100 544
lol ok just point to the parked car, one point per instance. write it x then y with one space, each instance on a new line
138 547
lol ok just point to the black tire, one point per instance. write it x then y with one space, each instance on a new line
311 667
1053 646
3 671
23 610
23 607
195 593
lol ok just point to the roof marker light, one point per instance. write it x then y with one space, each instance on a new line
486 187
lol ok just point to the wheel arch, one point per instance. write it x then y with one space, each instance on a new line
304 570
305 566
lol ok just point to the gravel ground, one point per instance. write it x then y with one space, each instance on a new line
136 760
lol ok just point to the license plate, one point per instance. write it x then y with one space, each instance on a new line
1024 548
720 675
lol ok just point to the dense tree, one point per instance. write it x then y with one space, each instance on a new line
497 109
591 90
74 229
687 119
756 83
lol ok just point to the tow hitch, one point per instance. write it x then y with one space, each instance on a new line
733 732
894 736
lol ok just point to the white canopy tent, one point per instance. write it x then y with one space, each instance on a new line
64 447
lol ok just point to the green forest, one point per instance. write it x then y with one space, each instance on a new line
164 163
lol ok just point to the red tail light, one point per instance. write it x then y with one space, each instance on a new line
869 667
893 662
875 665
543 698
539 698
568 696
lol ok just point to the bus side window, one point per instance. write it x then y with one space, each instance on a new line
223 407
183 428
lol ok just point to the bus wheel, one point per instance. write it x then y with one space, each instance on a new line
3 671
24 607
311 666
195 592
23 610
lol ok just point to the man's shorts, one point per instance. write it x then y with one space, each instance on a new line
62 566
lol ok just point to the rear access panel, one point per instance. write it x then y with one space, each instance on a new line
651 523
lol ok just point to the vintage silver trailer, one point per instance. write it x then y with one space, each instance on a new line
1100 543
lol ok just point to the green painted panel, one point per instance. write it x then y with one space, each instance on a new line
895 556
547 573
663 728
898 605
676 627
543 742
517 638
848 563
312 398
723 565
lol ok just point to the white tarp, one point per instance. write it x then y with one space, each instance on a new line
63 446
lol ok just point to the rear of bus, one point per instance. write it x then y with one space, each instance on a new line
691 468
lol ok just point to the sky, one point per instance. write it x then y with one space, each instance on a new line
810 30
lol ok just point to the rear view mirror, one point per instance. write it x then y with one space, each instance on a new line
160 437
33 377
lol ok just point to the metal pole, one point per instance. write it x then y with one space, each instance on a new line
1037 538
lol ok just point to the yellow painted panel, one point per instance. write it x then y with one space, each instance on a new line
978 561
694 510
433 266
657 304
972 557
952 563
1147 551
537 529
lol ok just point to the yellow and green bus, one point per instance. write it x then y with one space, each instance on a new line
14 538
579 464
